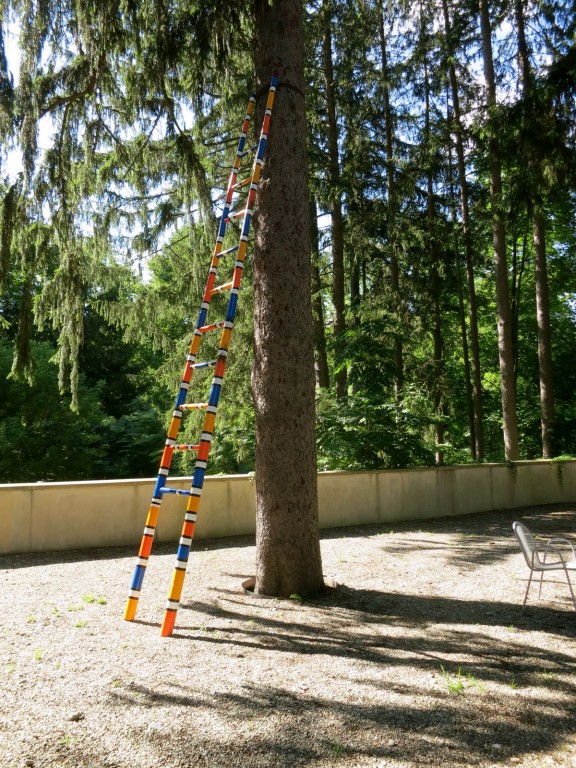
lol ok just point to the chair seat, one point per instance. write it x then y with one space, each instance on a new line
570 566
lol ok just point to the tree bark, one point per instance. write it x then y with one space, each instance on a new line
322 374
547 409
338 276
505 350
478 430
287 539
392 212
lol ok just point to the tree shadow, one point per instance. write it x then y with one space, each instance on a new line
358 626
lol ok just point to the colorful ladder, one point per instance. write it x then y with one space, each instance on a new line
211 406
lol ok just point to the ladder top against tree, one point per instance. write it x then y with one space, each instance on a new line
210 406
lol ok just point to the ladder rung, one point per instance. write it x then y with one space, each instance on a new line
177 491
210 364
248 151
219 289
194 406
229 250
188 447
234 215
220 323
242 183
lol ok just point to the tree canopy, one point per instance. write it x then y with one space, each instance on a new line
123 116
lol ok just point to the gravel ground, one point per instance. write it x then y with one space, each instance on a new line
421 656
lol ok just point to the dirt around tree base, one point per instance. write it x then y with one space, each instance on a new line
420 657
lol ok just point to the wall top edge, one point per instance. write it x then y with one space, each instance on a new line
228 478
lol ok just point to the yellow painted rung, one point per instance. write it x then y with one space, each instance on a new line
194 407
242 183
223 287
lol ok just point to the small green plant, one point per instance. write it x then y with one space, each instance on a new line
513 684
10 667
89 598
55 612
454 686
66 740
296 596
31 619
80 624
38 653
101 601
547 678
73 608
115 683
461 682
338 749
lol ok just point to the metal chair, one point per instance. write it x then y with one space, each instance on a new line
536 557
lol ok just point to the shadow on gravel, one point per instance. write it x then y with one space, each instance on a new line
419 722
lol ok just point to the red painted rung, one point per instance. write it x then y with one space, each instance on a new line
187 447
234 215
219 324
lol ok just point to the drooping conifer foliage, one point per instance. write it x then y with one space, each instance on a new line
441 170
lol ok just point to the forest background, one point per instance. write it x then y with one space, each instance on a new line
441 140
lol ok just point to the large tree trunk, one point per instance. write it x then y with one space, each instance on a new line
505 350
478 428
287 540
338 290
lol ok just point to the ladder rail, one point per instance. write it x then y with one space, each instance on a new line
193 504
176 420
202 448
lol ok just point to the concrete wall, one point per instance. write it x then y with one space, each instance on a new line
53 516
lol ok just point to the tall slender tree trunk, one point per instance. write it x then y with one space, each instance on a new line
321 358
392 211
478 431
505 350
338 273
287 539
547 409
435 286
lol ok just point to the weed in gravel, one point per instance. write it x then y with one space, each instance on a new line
547 678
89 598
80 624
38 653
461 683
10 667
337 749
101 601
31 619
72 608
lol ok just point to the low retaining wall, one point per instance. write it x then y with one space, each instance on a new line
54 516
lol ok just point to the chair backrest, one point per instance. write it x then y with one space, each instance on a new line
527 544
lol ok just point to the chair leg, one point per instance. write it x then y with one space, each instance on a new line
527 588
570 586
540 588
